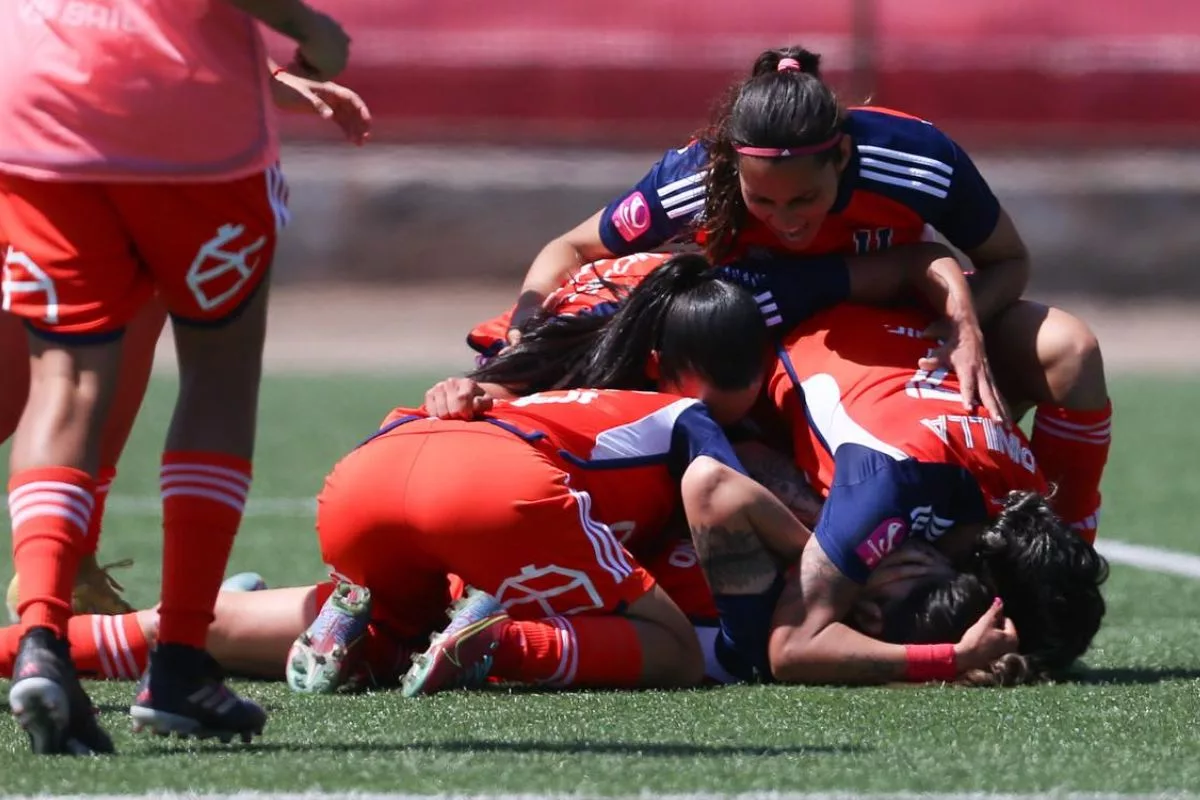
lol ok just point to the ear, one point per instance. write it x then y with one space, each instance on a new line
844 150
867 617
653 372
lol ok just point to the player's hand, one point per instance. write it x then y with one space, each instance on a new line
324 47
328 100
457 398
992 636
961 350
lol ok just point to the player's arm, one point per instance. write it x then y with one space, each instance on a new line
800 286
779 475
1002 267
326 99
928 269
972 219
654 211
744 538
809 643
323 47
561 256
865 518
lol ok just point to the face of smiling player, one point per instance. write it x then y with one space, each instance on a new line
792 196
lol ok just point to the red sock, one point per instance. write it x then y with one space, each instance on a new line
580 651
50 508
103 483
1071 446
108 646
204 495
102 646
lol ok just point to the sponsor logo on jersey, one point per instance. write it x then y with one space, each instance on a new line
632 217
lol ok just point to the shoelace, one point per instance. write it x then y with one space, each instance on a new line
112 583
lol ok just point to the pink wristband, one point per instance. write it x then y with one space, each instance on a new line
930 662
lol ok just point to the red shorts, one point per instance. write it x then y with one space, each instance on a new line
84 257
433 497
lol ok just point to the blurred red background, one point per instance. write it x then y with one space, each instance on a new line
995 73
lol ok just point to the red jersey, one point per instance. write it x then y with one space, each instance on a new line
594 288
626 449
889 445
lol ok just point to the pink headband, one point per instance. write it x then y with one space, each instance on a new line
788 152
786 64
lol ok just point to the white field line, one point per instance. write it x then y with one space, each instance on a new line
248 795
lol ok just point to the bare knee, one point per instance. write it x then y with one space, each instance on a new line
1070 355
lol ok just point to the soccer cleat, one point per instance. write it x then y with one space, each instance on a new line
183 692
96 591
460 657
49 702
322 658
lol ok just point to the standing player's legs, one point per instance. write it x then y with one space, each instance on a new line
470 499
95 591
209 248
1047 358
70 274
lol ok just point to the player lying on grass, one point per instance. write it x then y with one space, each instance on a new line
95 590
785 172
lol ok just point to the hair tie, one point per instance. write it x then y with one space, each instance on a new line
787 64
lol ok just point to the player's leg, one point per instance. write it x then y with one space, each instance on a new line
250 635
564 604
96 592
1047 358
70 275
209 247
383 564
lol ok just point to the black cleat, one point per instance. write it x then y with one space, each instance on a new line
183 692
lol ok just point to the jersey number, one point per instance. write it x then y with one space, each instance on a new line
867 240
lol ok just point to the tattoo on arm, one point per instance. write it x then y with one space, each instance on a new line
734 560
781 477
829 593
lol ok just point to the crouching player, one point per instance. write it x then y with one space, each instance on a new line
522 504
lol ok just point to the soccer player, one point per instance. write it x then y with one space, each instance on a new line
137 157
785 173
95 589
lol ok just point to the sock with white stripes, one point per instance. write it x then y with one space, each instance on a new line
104 480
1071 447
600 652
203 497
102 646
51 509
